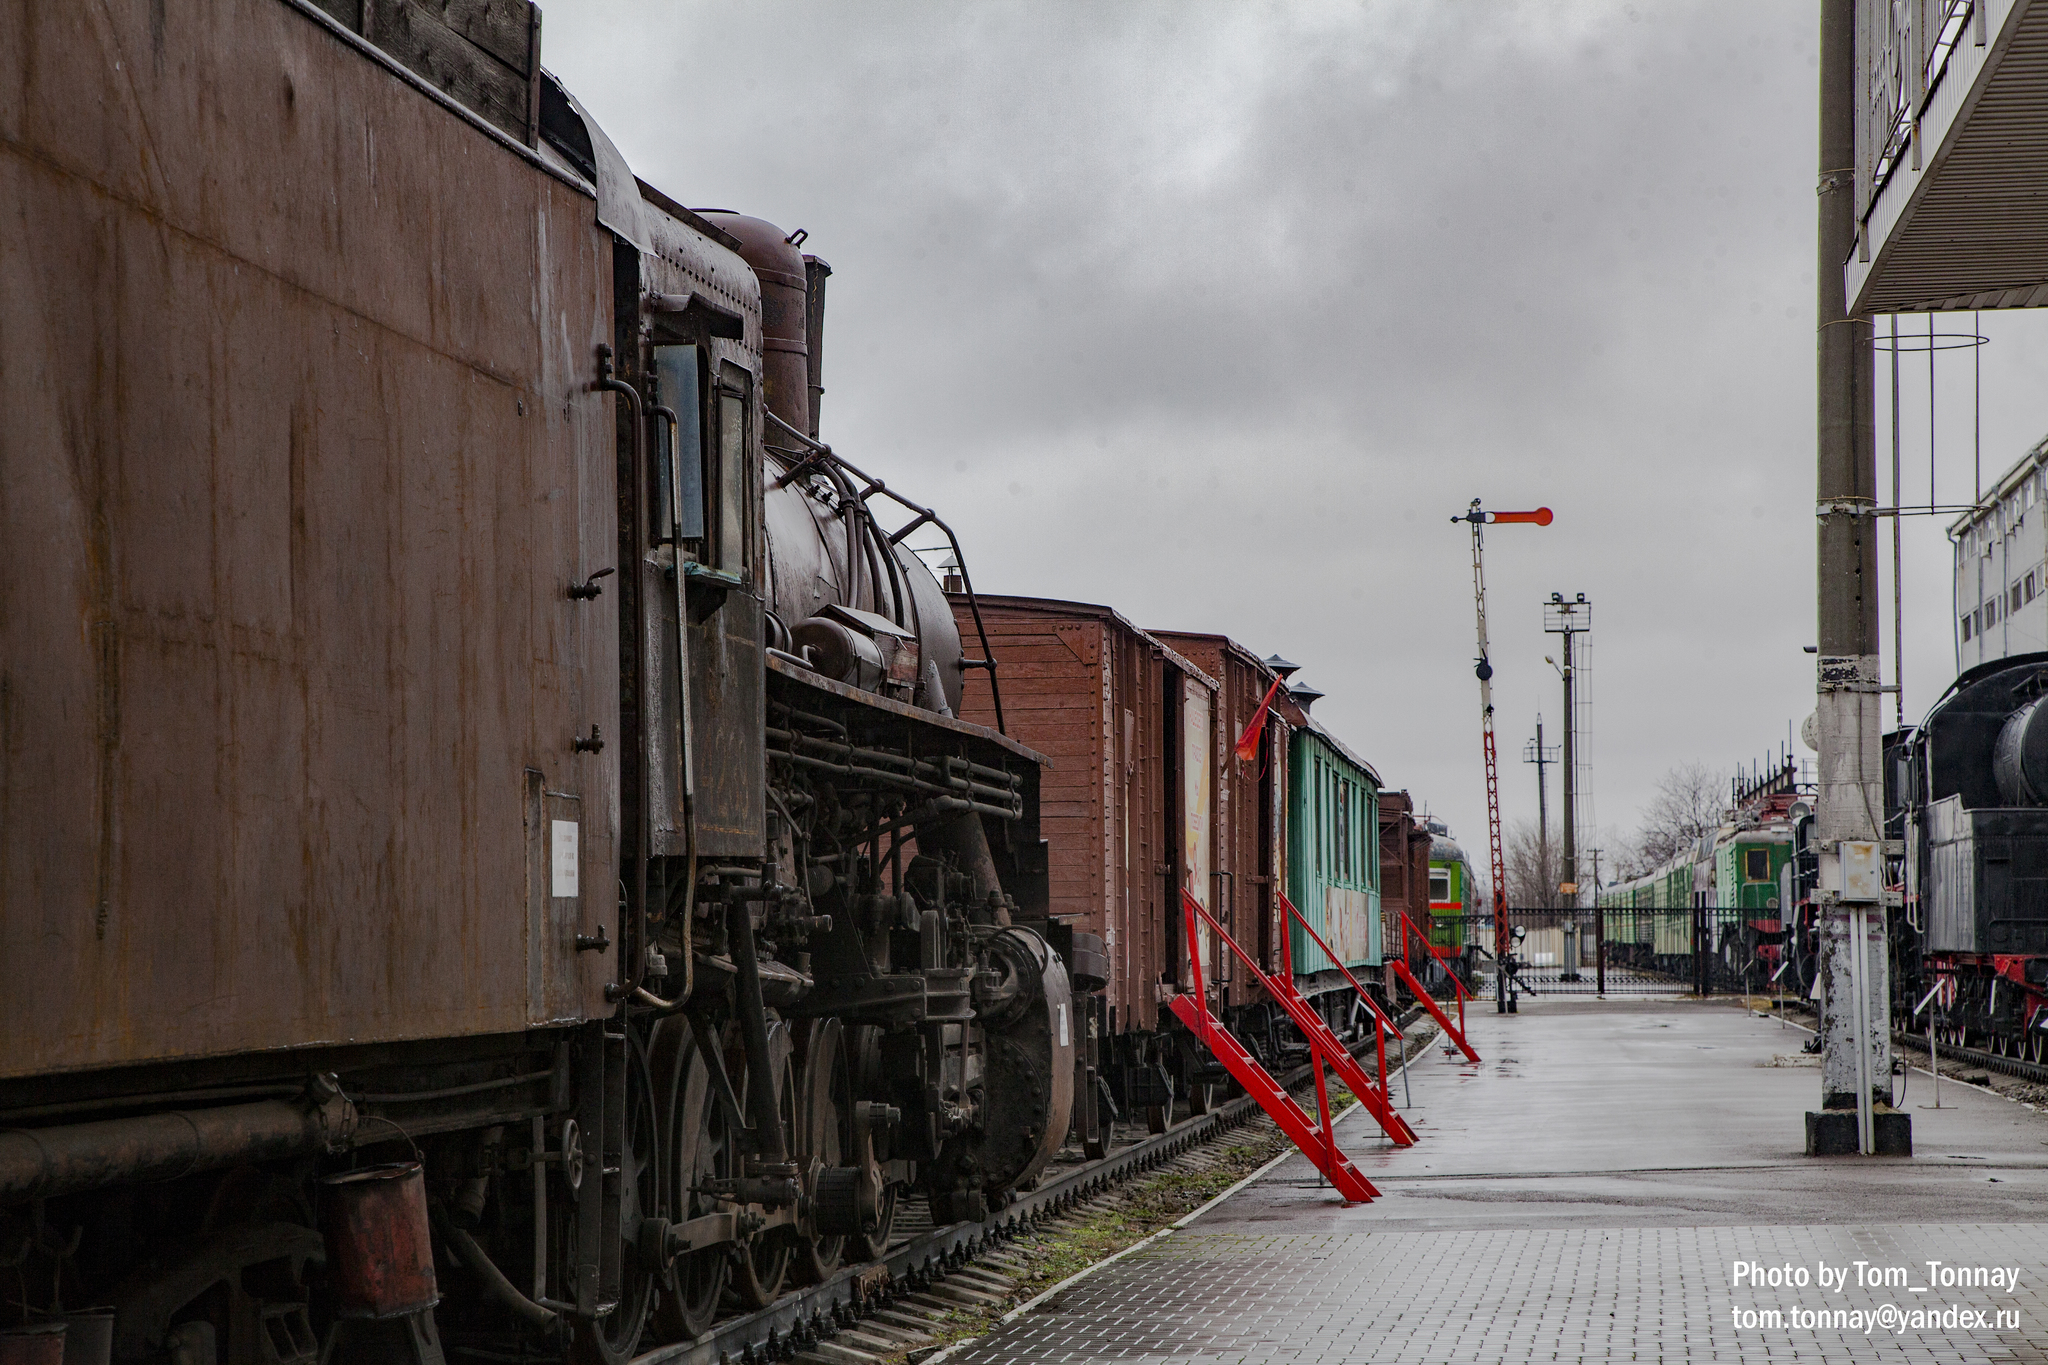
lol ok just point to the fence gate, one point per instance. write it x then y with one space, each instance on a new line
1698 950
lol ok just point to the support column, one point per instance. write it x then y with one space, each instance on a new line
1570 874
1856 1058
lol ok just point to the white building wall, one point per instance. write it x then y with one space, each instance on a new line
2001 568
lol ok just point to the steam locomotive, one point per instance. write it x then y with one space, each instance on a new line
485 817
1967 792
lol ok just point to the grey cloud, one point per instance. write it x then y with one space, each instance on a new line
1217 313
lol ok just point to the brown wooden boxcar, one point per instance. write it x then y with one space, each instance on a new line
1146 796
1404 873
1249 811
1128 724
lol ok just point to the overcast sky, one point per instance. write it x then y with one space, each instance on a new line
1217 313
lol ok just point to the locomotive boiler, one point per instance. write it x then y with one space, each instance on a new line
483 778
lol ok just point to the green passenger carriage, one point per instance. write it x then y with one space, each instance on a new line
1333 856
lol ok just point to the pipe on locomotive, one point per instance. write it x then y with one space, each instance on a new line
820 452
44 1162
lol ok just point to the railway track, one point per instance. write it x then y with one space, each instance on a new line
913 1273
1990 1061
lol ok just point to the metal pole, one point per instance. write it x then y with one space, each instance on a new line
1933 1059
1899 500
1599 948
1569 813
1542 795
1858 970
1848 678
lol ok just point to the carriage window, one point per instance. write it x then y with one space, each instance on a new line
680 470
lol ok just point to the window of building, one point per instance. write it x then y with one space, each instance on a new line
1756 864
1966 626
2014 604
2030 586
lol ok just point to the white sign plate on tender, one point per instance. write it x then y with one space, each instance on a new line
563 862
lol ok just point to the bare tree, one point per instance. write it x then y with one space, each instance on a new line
1532 867
1621 857
1691 801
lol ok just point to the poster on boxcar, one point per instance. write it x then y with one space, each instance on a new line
1194 805
1348 917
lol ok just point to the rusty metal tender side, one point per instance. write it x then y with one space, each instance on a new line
456 710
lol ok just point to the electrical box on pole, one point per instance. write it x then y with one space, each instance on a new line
1479 517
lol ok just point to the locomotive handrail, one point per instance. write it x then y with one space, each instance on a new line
820 451
633 978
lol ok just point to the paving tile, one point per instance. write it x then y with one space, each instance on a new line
1543 1259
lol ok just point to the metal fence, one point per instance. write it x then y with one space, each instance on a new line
1701 950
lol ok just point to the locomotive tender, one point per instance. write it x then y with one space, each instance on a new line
456 711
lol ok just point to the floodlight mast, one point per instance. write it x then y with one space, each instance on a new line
1478 517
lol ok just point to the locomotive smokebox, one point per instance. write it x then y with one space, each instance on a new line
379 1252
785 313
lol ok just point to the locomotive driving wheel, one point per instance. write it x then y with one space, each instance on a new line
824 1136
864 1060
762 1263
614 1338
698 1149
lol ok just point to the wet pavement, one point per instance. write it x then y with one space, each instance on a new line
1613 1181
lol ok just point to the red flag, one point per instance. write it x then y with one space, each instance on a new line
1248 742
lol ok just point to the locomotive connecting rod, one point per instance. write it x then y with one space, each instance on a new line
762 1102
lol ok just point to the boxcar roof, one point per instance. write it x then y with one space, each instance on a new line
1224 644
1054 606
1317 728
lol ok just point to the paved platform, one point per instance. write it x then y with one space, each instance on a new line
1598 1189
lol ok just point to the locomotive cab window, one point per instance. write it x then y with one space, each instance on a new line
679 473
1439 886
1756 864
731 488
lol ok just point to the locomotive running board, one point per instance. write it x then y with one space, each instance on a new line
1317 1140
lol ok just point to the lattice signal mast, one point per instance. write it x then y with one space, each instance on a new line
1479 517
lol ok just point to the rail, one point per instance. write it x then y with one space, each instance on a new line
804 1316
